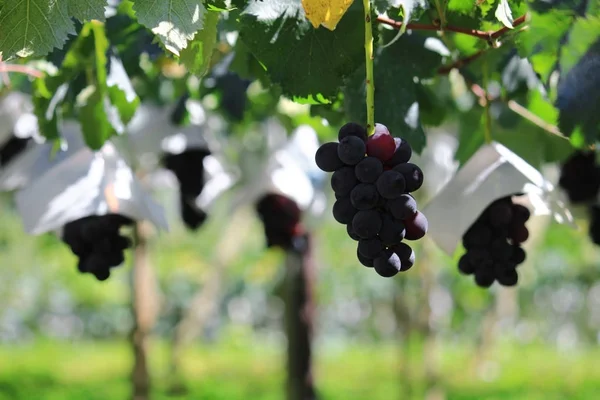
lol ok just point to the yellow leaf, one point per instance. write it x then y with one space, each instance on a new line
325 12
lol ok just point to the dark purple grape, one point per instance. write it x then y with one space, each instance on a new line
327 158
500 214
465 266
353 129
402 154
367 262
364 196
351 150
367 224
369 170
391 184
351 232
392 231
387 264
413 176
406 255
507 277
370 248
484 277
343 181
344 211
416 227
403 207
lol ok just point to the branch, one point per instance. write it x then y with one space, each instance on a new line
461 62
485 35
23 69
485 98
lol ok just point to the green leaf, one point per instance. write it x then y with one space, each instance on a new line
94 120
198 54
93 115
302 60
462 6
396 103
175 22
121 92
504 14
43 110
35 27
584 33
86 10
541 41
409 7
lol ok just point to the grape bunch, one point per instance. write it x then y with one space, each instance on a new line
188 168
97 242
493 244
281 218
372 180
12 148
580 177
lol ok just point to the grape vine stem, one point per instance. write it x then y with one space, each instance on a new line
485 35
517 108
370 82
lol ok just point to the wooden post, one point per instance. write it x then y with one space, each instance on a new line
299 322
144 308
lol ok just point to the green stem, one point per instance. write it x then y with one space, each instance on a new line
370 82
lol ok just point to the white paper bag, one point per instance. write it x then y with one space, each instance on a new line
492 173
85 183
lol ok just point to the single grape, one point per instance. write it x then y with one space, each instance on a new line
102 274
500 214
352 129
351 232
381 144
518 254
351 150
392 232
114 258
402 154
520 214
416 227
121 242
406 255
413 176
391 185
327 158
403 207
343 181
368 170
344 211
519 233
367 224
387 264
484 277
465 266
507 277
364 196
370 248
367 262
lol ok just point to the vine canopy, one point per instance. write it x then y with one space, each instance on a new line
525 74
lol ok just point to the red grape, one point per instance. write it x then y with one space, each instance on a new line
381 144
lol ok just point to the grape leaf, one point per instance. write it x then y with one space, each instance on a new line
584 33
396 103
86 10
504 14
120 91
325 12
35 27
175 22
93 115
198 54
304 61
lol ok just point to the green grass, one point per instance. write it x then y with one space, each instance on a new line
90 371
